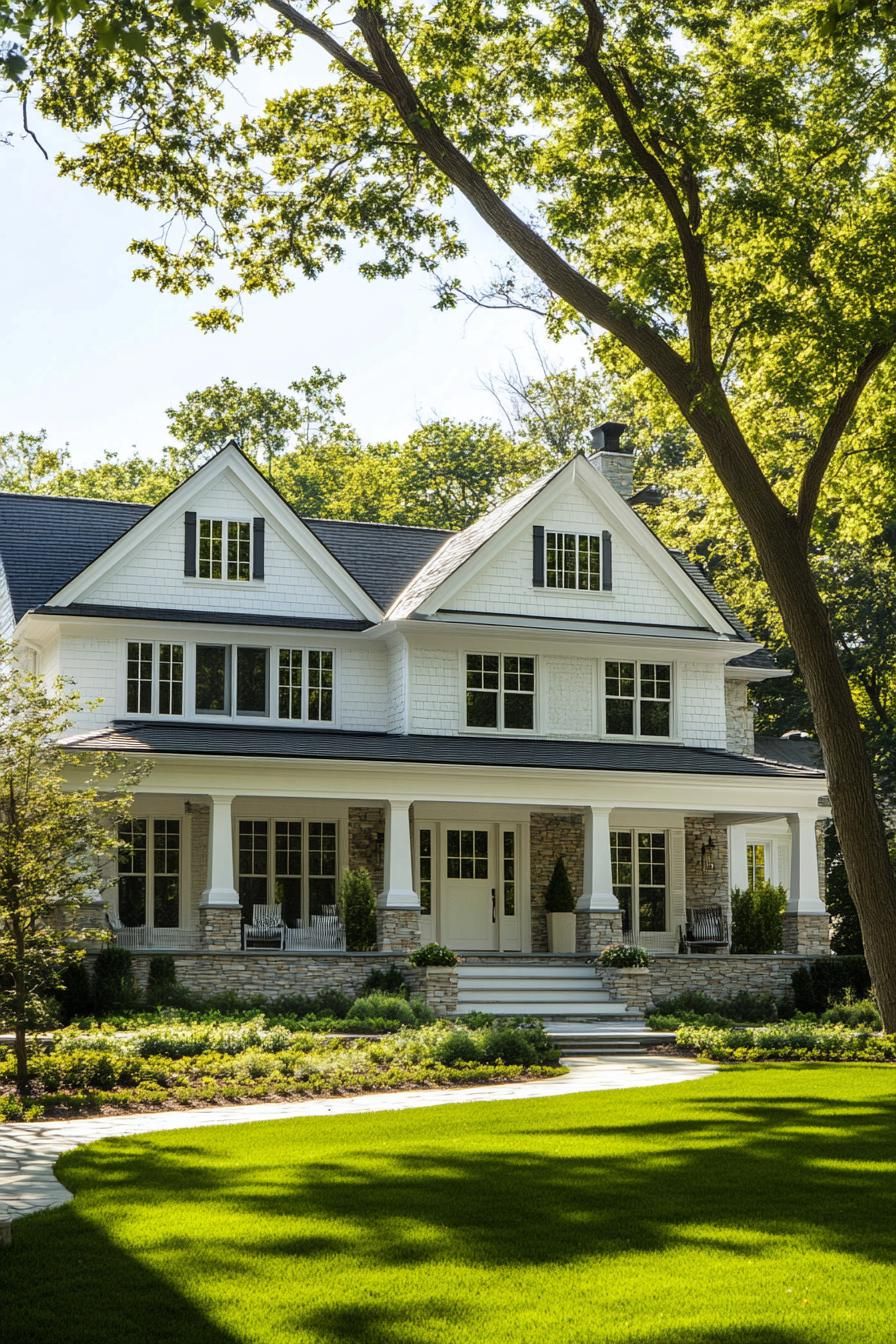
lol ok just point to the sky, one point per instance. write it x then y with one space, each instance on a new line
95 358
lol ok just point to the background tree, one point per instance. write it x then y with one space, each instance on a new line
55 840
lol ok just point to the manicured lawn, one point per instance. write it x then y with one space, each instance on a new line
757 1206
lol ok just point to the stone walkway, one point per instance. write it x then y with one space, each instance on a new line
28 1152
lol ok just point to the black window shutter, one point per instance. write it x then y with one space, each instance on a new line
538 557
258 548
190 545
606 562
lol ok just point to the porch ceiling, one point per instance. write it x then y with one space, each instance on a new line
184 739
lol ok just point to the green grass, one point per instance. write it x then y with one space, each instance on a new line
753 1207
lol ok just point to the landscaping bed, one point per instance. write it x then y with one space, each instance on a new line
174 1063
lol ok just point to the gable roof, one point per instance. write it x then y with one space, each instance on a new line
46 540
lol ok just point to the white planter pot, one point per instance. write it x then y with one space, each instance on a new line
562 932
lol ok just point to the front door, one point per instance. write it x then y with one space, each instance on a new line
469 895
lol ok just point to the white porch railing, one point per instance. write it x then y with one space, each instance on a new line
165 940
324 934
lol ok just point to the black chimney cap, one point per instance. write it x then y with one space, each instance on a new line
605 437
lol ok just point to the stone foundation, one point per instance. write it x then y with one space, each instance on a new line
440 989
721 977
809 935
271 974
553 836
629 985
596 929
397 930
220 928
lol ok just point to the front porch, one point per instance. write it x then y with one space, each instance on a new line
471 875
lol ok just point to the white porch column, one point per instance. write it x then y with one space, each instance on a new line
738 877
598 917
220 889
597 883
806 923
804 897
398 905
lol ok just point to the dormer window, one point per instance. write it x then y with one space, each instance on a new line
225 549
572 560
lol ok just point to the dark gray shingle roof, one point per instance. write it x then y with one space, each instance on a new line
381 557
311 744
790 751
761 658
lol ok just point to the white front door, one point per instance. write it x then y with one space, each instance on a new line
469 898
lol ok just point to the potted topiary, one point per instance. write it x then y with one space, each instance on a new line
560 905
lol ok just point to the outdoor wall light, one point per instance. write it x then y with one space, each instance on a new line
708 855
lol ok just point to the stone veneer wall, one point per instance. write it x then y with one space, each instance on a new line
739 718
366 827
701 887
720 977
553 835
270 974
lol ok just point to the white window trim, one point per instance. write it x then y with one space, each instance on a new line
240 639
304 820
634 831
637 736
224 519
500 731
559 530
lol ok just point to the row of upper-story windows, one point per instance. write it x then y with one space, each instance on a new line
500 696
229 680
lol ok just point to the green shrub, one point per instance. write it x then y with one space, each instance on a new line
508 1044
433 954
854 1013
559 898
788 1041
827 982
357 905
459 1045
113 980
391 1007
620 954
672 1021
161 983
76 996
757 918
380 981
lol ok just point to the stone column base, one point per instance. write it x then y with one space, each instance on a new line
397 930
596 929
808 934
220 928
440 989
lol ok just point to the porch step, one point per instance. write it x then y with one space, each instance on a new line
575 1039
536 991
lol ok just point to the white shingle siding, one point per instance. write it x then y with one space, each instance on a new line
93 666
701 705
506 586
7 616
363 689
434 691
568 692
153 575
398 680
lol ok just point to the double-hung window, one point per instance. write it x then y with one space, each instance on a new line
149 872
306 684
638 699
500 692
155 678
640 879
572 560
224 549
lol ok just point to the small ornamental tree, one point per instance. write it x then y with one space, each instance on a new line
357 905
59 813
559 898
757 918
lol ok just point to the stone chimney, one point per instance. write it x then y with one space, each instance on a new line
616 463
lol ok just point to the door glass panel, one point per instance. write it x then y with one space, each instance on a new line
321 865
652 881
621 858
251 681
166 874
132 873
288 870
212 679
755 865
252 865
467 854
508 872
424 842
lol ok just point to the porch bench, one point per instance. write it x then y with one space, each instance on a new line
706 928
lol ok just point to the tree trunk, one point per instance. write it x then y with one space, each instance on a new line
857 817
20 1018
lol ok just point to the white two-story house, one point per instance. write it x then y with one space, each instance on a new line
452 712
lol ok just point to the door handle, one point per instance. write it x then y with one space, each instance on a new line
494 907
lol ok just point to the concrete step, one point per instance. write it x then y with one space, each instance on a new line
509 988
472 972
558 1008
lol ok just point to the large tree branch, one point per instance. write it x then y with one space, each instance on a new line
562 279
831 435
324 39
699 326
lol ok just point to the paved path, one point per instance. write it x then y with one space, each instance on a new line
28 1152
